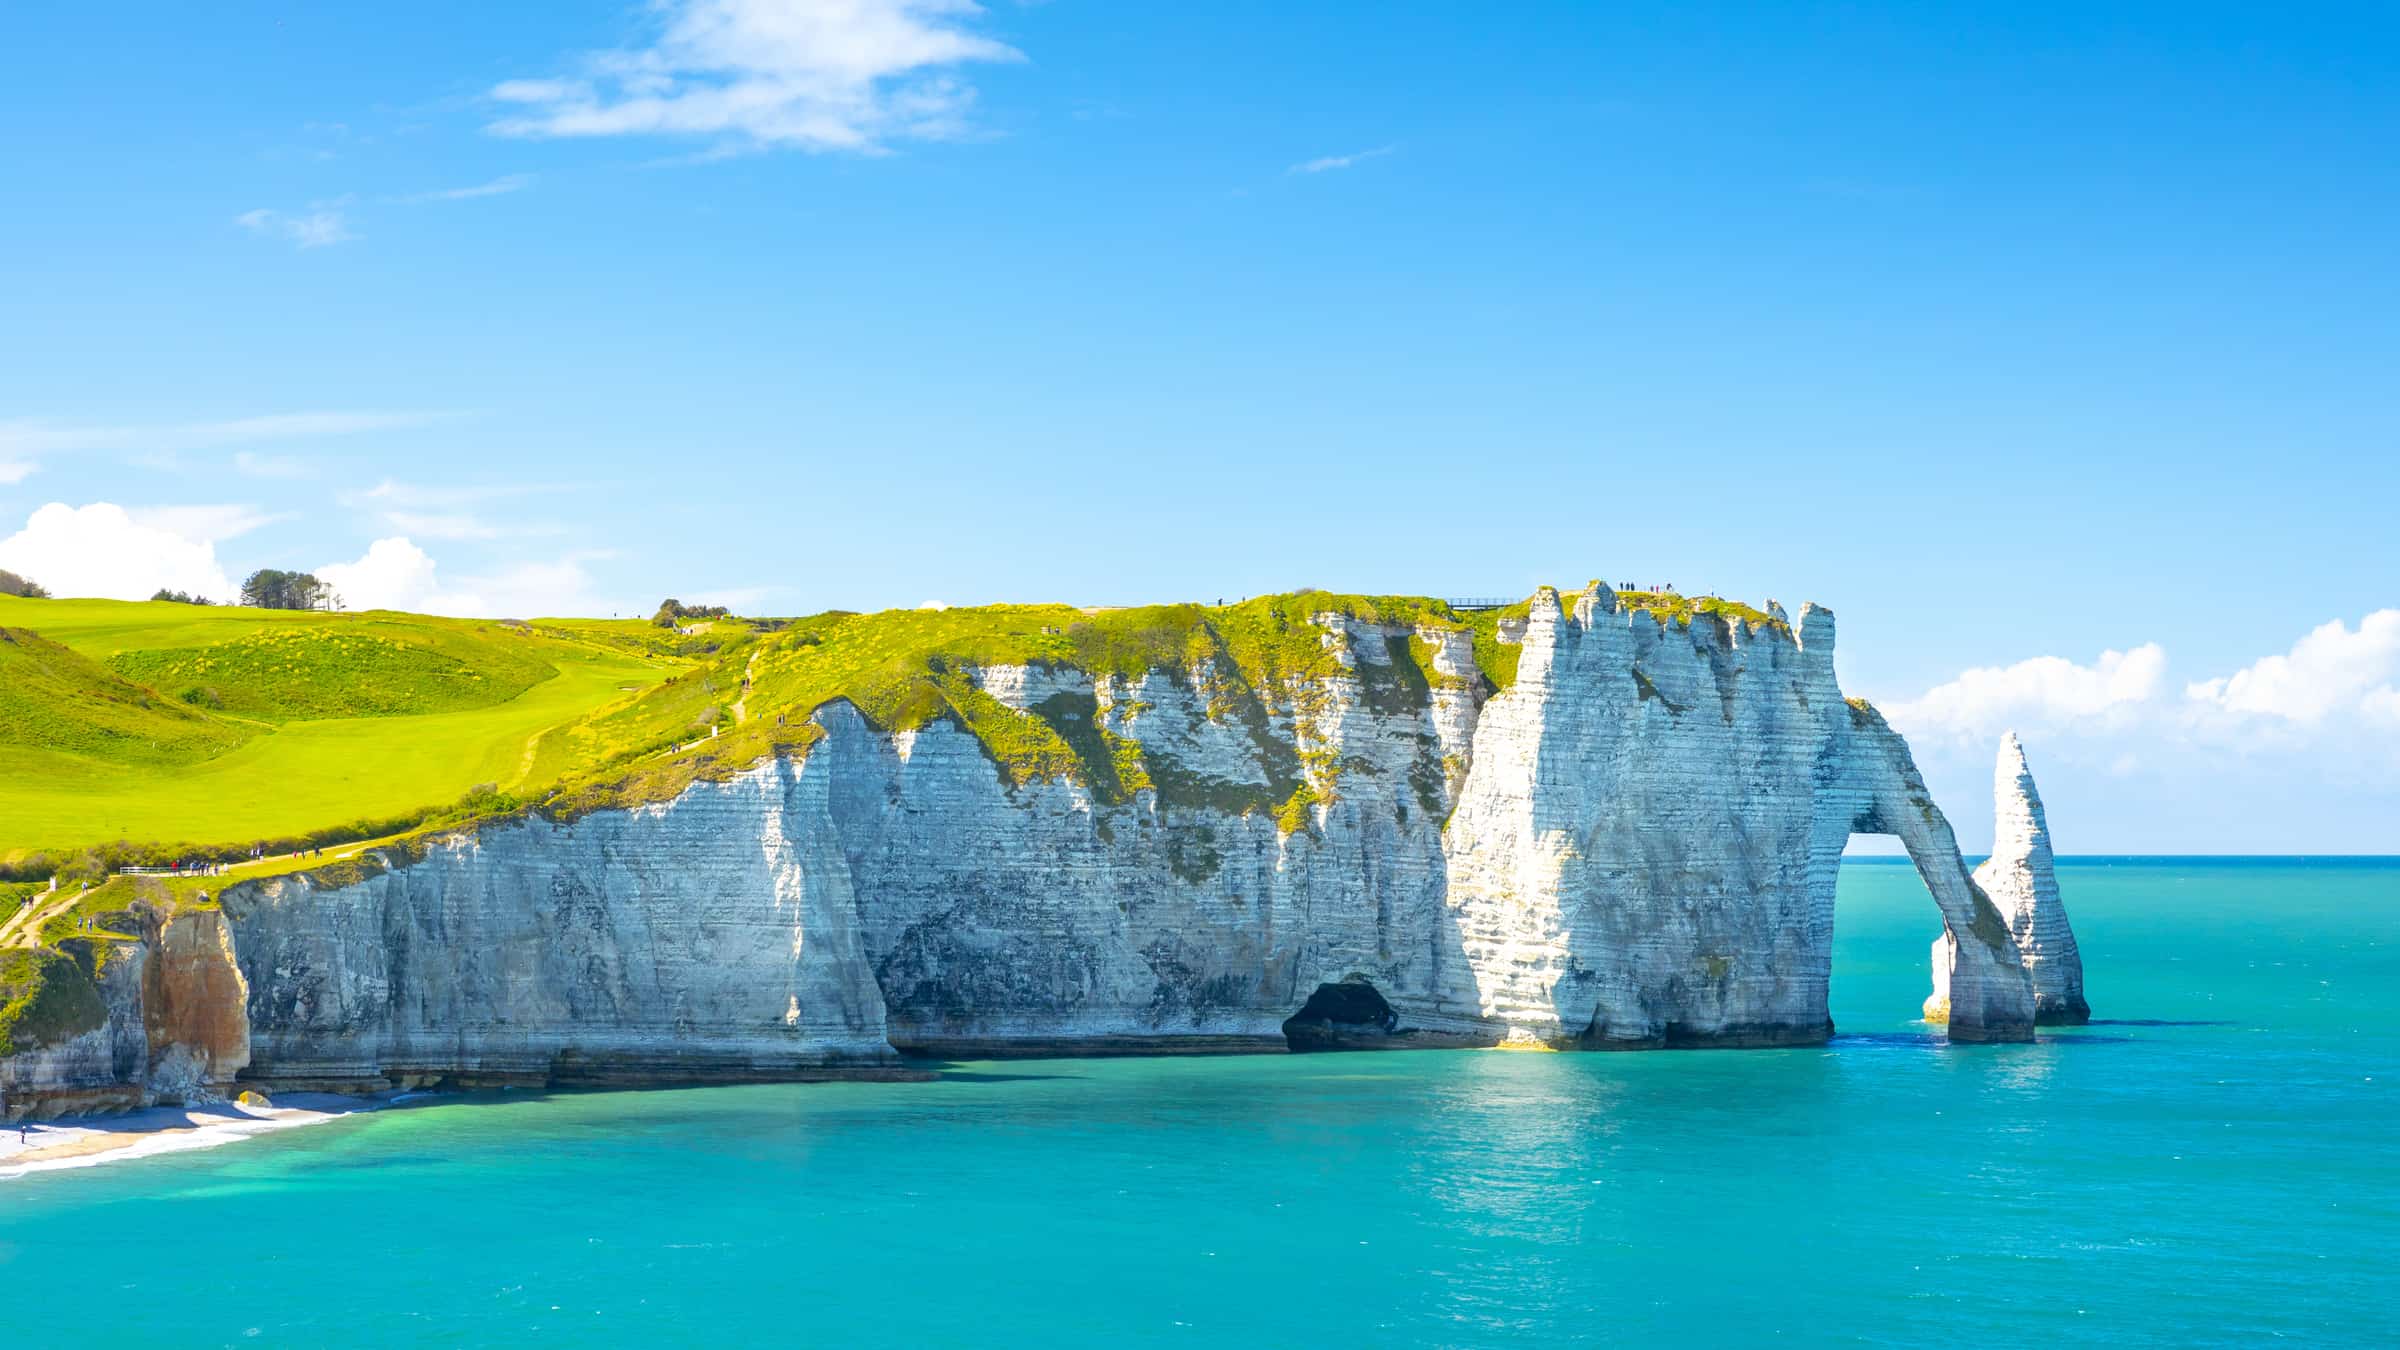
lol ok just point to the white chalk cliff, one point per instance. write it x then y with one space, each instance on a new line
1635 844
2021 877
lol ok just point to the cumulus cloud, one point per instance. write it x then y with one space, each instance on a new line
2334 669
557 588
2046 689
2382 705
394 573
2336 681
102 551
813 75
1329 163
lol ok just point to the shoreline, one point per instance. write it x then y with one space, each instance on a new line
76 1142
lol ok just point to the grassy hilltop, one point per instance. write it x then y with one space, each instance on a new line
166 723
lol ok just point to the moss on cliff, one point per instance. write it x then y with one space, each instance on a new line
46 997
1671 607
1256 662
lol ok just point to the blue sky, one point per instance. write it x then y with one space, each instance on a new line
2014 334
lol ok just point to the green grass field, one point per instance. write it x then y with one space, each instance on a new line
159 722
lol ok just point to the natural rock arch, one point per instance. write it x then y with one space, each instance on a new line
1879 791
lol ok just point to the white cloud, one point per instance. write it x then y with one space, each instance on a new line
207 524
2382 705
2332 670
314 228
813 75
1329 163
2336 682
501 186
102 550
40 436
16 471
396 574
2295 751
556 589
1987 700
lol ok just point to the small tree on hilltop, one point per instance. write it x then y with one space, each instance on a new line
12 584
268 588
181 597
671 612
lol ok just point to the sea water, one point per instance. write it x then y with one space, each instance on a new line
2215 1161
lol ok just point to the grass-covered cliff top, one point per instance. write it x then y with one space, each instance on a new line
184 730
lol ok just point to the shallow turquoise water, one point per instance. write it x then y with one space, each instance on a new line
2219 1164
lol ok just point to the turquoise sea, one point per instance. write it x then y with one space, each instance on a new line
2217 1162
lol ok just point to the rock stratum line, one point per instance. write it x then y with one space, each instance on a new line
1634 844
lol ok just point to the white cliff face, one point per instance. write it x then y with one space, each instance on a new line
1635 844
714 937
1647 847
2021 877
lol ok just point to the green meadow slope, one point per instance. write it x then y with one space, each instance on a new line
158 723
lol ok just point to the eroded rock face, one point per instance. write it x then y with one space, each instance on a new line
1646 849
105 1068
711 938
1636 844
2022 880
195 1008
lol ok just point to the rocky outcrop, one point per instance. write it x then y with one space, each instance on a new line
1634 844
169 1024
2022 880
195 1007
103 1063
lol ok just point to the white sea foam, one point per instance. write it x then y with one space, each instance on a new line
90 1141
